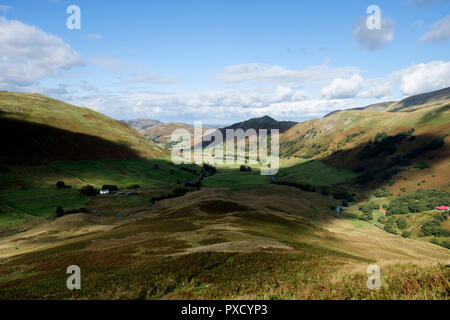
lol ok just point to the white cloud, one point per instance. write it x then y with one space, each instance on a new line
299 95
233 104
28 54
260 73
376 90
376 38
343 88
440 31
151 77
424 77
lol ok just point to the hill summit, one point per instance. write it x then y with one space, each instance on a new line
265 122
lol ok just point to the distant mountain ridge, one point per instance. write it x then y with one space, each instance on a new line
142 123
408 104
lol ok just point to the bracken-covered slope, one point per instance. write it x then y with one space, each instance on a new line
37 129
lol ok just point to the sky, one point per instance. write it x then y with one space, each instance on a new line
224 61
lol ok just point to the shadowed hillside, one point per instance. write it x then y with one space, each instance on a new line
39 112
31 143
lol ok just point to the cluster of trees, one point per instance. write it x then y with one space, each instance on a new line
89 191
110 188
418 201
401 223
245 169
433 227
62 185
367 210
208 170
382 193
390 223
421 165
389 226
445 243
383 145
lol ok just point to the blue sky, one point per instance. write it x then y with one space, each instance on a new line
223 61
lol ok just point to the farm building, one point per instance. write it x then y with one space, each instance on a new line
442 208
383 211
104 191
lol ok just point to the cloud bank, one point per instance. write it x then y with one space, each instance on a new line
28 54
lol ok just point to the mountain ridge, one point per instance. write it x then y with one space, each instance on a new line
407 104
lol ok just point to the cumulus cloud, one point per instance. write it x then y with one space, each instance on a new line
424 77
440 31
151 77
28 54
278 101
376 90
343 88
261 73
376 38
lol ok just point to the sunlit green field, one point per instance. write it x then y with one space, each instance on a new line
235 179
32 190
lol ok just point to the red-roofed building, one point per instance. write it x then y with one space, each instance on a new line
442 208
383 211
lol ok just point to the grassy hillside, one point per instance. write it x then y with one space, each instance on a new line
271 243
37 129
377 141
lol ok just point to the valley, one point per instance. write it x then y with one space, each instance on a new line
356 188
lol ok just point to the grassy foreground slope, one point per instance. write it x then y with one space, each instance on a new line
271 243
